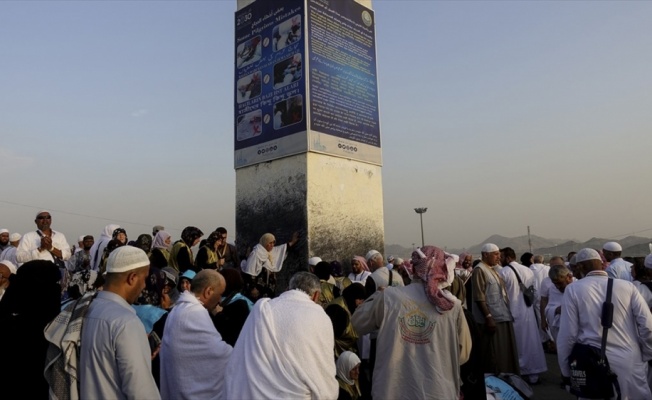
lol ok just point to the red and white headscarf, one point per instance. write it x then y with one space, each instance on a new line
362 262
436 269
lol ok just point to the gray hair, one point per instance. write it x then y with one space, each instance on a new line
537 259
306 282
559 271
204 279
379 258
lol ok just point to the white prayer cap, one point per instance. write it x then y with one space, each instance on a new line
126 258
14 237
489 248
9 265
81 238
648 261
612 246
587 254
370 254
41 212
3 231
314 261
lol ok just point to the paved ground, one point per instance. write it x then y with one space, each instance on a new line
549 388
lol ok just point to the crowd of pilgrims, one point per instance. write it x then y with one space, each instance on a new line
497 333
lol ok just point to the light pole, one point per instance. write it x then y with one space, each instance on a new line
420 211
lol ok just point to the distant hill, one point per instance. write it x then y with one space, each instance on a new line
633 246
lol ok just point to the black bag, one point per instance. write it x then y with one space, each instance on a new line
591 377
529 293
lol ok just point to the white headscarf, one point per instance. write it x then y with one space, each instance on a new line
345 363
98 247
159 240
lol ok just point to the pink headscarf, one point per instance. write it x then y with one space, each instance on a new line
362 262
430 264
461 260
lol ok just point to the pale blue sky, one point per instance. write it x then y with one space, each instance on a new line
494 115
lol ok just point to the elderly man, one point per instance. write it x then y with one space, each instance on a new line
193 354
552 296
43 244
531 359
9 253
423 336
629 341
381 276
491 312
115 357
618 268
7 268
285 349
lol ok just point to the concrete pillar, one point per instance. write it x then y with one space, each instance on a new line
335 203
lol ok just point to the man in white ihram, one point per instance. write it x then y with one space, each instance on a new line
629 341
285 349
618 268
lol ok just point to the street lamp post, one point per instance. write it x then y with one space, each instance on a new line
420 211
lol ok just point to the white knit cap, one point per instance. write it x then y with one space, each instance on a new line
371 253
14 237
314 261
126 258
648 261
587 254
4 231
489 248
612 246
9 265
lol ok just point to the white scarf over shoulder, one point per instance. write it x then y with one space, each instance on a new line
260 258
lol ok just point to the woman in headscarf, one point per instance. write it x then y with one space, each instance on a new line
144 242
235 307
160 254
181 257
348 371
267 258
97 250
207 254
120 235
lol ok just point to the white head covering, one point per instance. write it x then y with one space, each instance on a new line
345 363
489 248
159 240
81 238
14 237
126 258
587 254
9 265
98 247
648 261
41 212
3 231
371 253
612 246
314 261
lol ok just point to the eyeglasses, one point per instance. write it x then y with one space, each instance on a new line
44 217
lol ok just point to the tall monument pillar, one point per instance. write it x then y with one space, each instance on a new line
306 126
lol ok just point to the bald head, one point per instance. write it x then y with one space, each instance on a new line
208 286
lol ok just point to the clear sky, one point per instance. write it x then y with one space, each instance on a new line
494 115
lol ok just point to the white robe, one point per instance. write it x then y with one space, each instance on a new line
284 351
620 269
193 354
645 292
419 350
531 357
629 341
260 258
555 299
540 273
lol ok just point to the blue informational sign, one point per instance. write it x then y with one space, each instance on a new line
270 81
343 104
